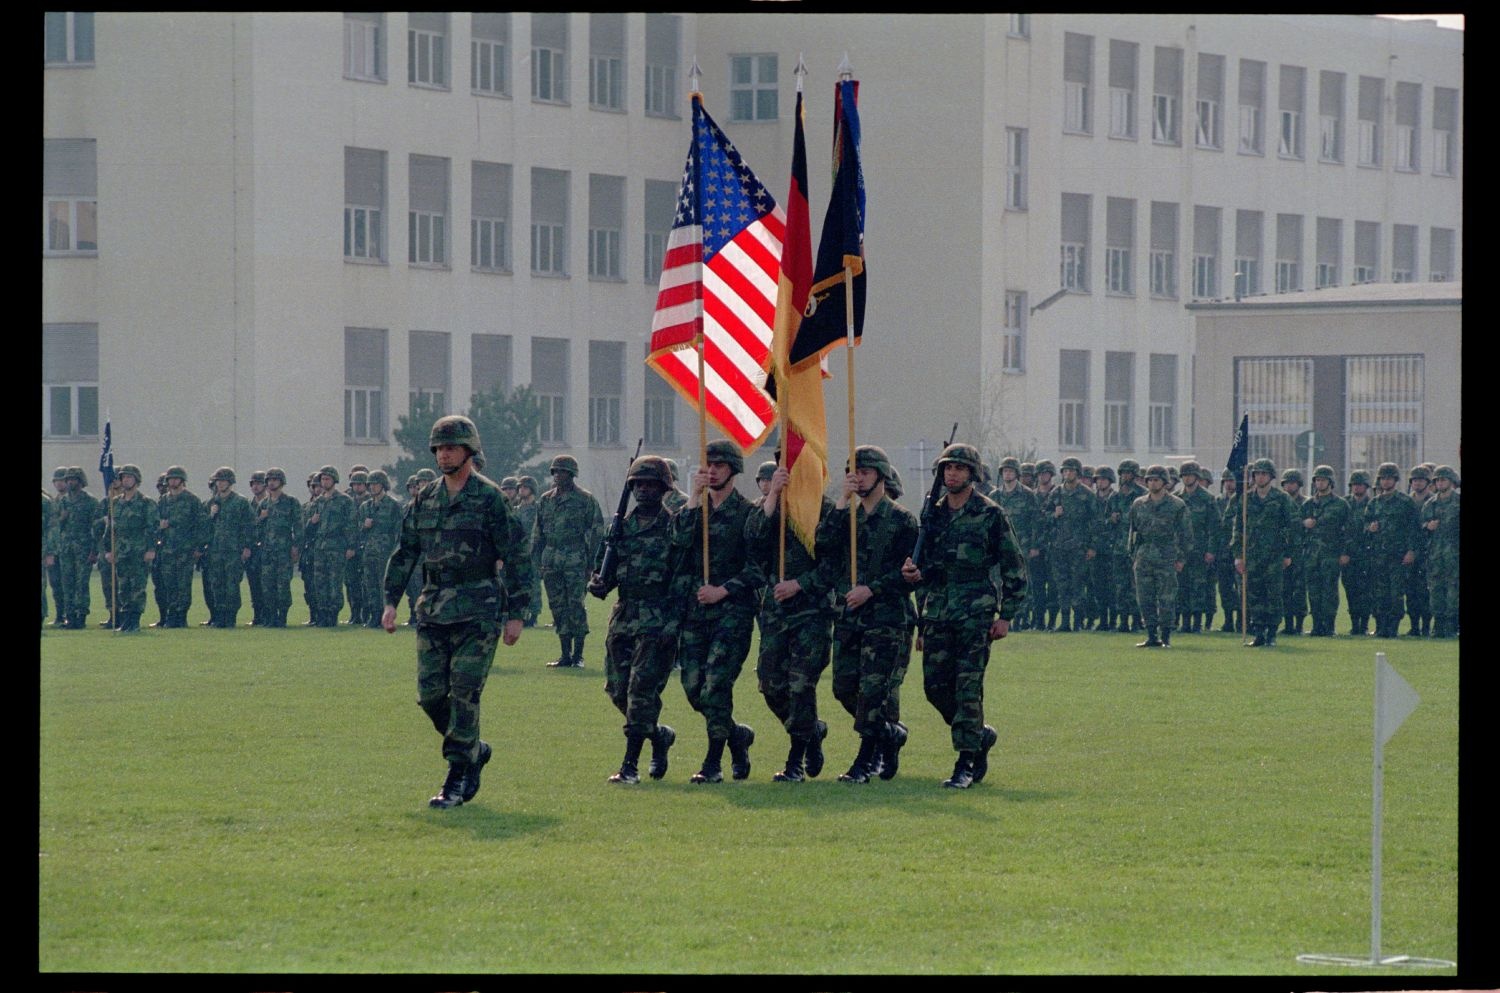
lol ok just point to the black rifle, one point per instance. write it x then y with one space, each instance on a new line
605 574
924 525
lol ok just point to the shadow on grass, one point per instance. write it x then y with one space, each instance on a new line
823 797
485 823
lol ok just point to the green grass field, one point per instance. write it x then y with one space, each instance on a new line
255 801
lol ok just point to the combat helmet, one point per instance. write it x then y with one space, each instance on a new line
359 476
1190 468
564 463
1028 469
61 472
276 472
76 472
379 476
672 467
331 471
1446 472
1388 470
874 457
1104 472
1131 466
766 471
1071 463
509 483
1264 465
728 453
1156 472
454 429
426 474
130 469
1010 462
1293 476
1359 477
530 483
1420 472
893 487
258 476
1227 474
1324 472
1045 465
960 453
650 468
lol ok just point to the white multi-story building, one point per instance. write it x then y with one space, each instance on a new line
265 234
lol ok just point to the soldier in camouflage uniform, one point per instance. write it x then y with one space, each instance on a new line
96 555
1112 553
1025 514
181 528
1440 521
54 568
525 508
1357 581
1271 523
1228 505
569 526
1196 587
1043 595
1161 537
720 616
963 610
1072 514
794 618
1294 590
306 560
675 499
231 538
359 493
456 530
1391 521
1130 490
873 620
280 522
508 487
132 549
1325 549
380 528
332 548
1418 607
258 612
641 641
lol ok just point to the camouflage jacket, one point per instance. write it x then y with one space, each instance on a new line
674 500
884 541
1203 515
569 526
1328 538
1271 522
185 521
1358 538
646 565
134 527
1443 543
333 514
729 561
1397 518
966 545
525 514
1161 531
456 541
49 543
1024 512
1228 508
231 525
763 535
75 523
280 523
1075 528
380 525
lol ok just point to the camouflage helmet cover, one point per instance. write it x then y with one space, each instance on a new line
529 482
1420 472
1087 472
1323 472
276 472
329 470
1028 468
1010 462
959 452
1293 476
1071 463
76 472
1156 472
564 463
454 429
766 471
258 476
874 457
893 487
130 469
1045 465
358 476
1263 465
1104 472
1190 468
649 468
1446 472
380 477
1388 470
726 452
61 472
176 472
509 483
426 475
359 467
413 480
1228 474
1359 477
1131 466
672 466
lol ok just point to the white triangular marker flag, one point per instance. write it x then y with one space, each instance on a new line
1394 699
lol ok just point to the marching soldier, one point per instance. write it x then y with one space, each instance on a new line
569 526
1161 538
231 538
54 567
1325 524
258 612
1043 597
1112 558
359 493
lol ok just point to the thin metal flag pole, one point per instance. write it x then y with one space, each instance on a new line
1244 548
846 73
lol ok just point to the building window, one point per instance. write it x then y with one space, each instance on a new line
364 384
663 32
1166 98
1277 395
606 391
1206 247
427 49
489 54
1122 86
1404 253
1210 130
428 365
1371 92
1408 127
1252 106
1119 397
1292 96
364 47
549 57
660 429
1164 250
549 385
364 204
1119 246
752 87
70 380
427 228
1078 80
1288 253
1248 226
1073 398
1075 242
549 222
70 199
67 37
1330 236
1162 405
1020 26
1384 395
606 222
489 221
1013 340
1015 168
661 211
607 61
1444 129
1366 251
1331 116
490 363
1440 247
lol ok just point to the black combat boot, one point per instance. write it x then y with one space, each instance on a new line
1166 637
963 772
661 743
890 749
987 738
813 759
792 772
628 773
1229 625
740 740
1259 639
1299 618
577 662
1271 636
565 660
859 772
471 780
1062 621
712 771
451 794
1151 640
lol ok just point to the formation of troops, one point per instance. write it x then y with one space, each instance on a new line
1048 547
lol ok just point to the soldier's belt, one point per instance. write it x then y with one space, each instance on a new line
461 574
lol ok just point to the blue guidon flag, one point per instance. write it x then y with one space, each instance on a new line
1239 452
107 460
719 279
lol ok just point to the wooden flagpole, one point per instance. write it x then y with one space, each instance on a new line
849 355
694 76
1244 546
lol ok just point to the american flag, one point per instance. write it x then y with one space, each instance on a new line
720 276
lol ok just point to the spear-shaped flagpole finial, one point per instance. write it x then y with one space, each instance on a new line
846 71
800 71
695 77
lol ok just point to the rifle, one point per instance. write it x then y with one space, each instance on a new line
605 575
924 525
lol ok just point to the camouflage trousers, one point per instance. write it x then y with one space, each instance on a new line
1417 600
328 580
275 579
130 583
1156 591
793 655
176 576
1068 565
1323 590
1294 587
637 665
1229 584
1388 579
1195 586
222 573
565 597
253 567
76 572
1442 587
372 580
354 583
309 586
869 666
453 662
1264 585
54 579
954 657
712 651
413 592
1119 580
1357 588
106 588
1041 594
